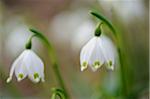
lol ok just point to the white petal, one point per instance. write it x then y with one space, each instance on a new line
35 67
20 69
14 65
86 53
109 51
97 58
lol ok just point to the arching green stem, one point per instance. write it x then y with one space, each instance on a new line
29 43
104 20
120 52
53 59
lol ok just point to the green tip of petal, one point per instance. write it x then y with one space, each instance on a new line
36 75
96 64
20 76
110 63
84 65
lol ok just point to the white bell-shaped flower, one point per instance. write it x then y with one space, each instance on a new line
98 51
27 64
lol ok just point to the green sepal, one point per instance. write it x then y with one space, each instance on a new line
98 30
29 43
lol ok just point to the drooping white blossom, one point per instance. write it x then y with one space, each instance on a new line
27 64
98 51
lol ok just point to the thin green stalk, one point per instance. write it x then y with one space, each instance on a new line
53 60
120 52
122 72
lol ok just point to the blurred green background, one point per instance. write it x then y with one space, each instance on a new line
68 25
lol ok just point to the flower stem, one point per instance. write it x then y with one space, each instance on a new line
122 73
54 60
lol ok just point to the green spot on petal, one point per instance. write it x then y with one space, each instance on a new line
36 75
20 75
84 64
96 64
110 63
